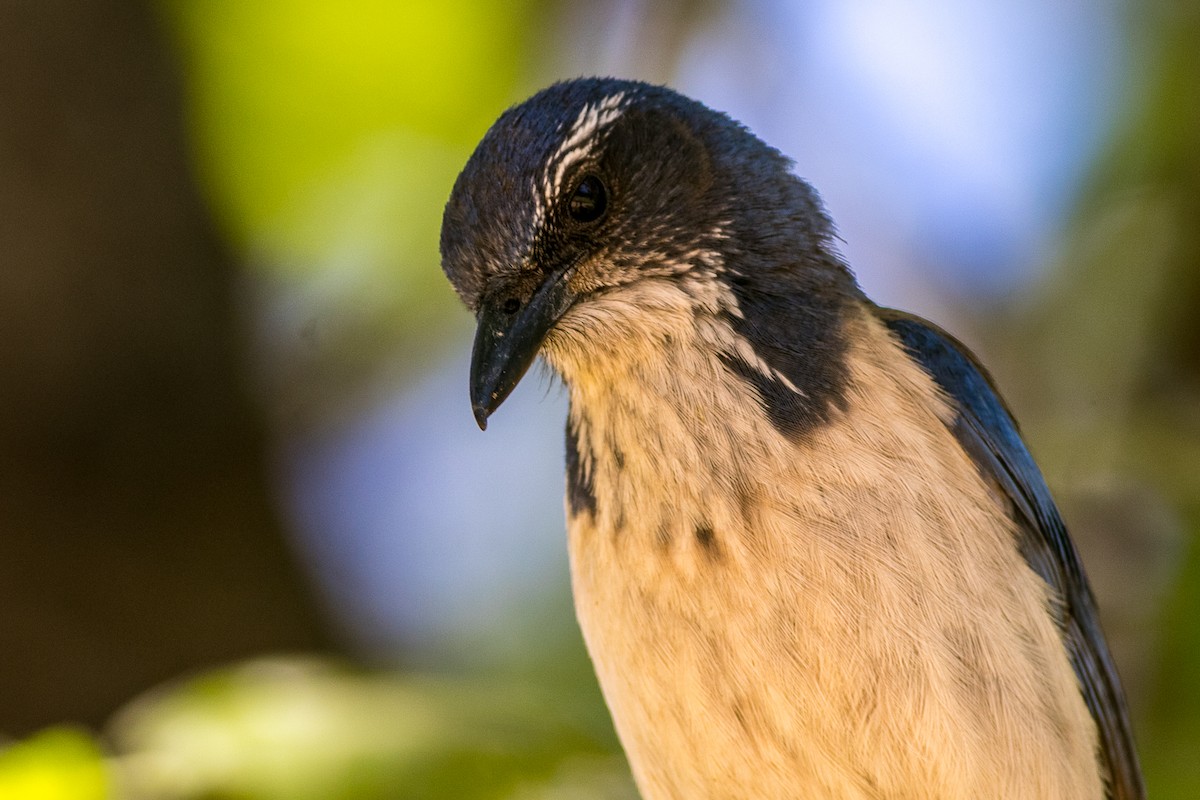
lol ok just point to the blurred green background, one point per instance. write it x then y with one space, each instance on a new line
251 545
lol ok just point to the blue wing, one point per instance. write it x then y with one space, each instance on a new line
988 433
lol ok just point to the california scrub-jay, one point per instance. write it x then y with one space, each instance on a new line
811 555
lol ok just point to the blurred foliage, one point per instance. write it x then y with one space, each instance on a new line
293 96
327 136
294 730
313 730
1110 350
56 764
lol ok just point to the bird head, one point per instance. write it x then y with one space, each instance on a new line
595 187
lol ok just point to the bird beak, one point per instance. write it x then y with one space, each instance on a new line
506 342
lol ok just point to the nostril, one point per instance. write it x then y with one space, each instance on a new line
511 306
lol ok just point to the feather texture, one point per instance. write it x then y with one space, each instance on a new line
989 434
841 615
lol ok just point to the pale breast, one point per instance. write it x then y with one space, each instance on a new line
846 615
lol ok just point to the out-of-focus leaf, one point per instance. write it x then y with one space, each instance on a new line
56 764
327 138
289 96
305 730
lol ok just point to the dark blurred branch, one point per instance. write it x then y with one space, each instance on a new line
137 536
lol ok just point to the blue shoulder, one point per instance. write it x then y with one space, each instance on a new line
988 433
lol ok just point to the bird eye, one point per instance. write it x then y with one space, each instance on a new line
511 306
589 200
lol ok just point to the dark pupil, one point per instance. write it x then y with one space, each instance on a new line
589 201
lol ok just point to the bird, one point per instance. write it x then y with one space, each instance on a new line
810 553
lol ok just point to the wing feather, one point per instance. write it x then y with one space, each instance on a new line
986 429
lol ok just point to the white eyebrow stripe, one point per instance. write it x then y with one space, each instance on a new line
578 143
592 117
566 160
